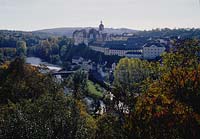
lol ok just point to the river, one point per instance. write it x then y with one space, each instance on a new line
35 61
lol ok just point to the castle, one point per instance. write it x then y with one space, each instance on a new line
92 35
122 45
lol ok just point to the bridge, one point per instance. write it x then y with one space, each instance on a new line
63 73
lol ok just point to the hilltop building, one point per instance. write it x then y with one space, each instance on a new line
132 47
85 37
123 45
108 49
80 37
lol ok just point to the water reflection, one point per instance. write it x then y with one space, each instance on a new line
35 61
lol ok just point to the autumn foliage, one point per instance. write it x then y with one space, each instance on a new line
151 100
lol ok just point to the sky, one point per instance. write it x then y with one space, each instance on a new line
29 15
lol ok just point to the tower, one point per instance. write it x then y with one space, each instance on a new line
101 27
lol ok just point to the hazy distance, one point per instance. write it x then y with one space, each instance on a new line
31 15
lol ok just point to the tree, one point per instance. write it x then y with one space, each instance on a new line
21 48
181 76
63 51
158 115
55 59
1 54
132 77
109 128
54 49
33 105
170 106
20 81
77 82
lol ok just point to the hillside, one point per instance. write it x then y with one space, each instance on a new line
69 31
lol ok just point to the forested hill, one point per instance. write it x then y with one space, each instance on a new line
184 33
166 32
69 31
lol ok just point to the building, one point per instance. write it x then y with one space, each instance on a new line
134 55
114 65
114 51
80 37
92 35
119 48
153 50
86 65
77 60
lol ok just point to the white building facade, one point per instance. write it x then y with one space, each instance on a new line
134 55
151 51
108 51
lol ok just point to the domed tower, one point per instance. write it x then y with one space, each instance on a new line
101 27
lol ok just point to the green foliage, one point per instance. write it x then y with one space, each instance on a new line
55 59
109 127
94 90
87 53
78 83
166 32
63 51
132 77
21 48
151 100
34 106
130 73
46 117
167 104
19 81
7 53
52 50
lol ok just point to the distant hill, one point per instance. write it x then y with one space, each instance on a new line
69 31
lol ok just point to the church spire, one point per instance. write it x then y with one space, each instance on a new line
101 26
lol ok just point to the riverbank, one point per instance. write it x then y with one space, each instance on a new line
35 61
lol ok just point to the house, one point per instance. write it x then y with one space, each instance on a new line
77 60
153 50
86 65
114 65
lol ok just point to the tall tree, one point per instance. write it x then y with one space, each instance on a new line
21 48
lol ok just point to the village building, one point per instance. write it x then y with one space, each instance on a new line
77 60
153 50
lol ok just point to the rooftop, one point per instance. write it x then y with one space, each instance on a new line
120 45
134 53
154 44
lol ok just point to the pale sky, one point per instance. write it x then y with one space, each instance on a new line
31 15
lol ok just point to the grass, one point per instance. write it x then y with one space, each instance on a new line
94 90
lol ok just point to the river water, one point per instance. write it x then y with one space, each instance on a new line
35 61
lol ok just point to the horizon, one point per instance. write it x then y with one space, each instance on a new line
33 15
51 28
